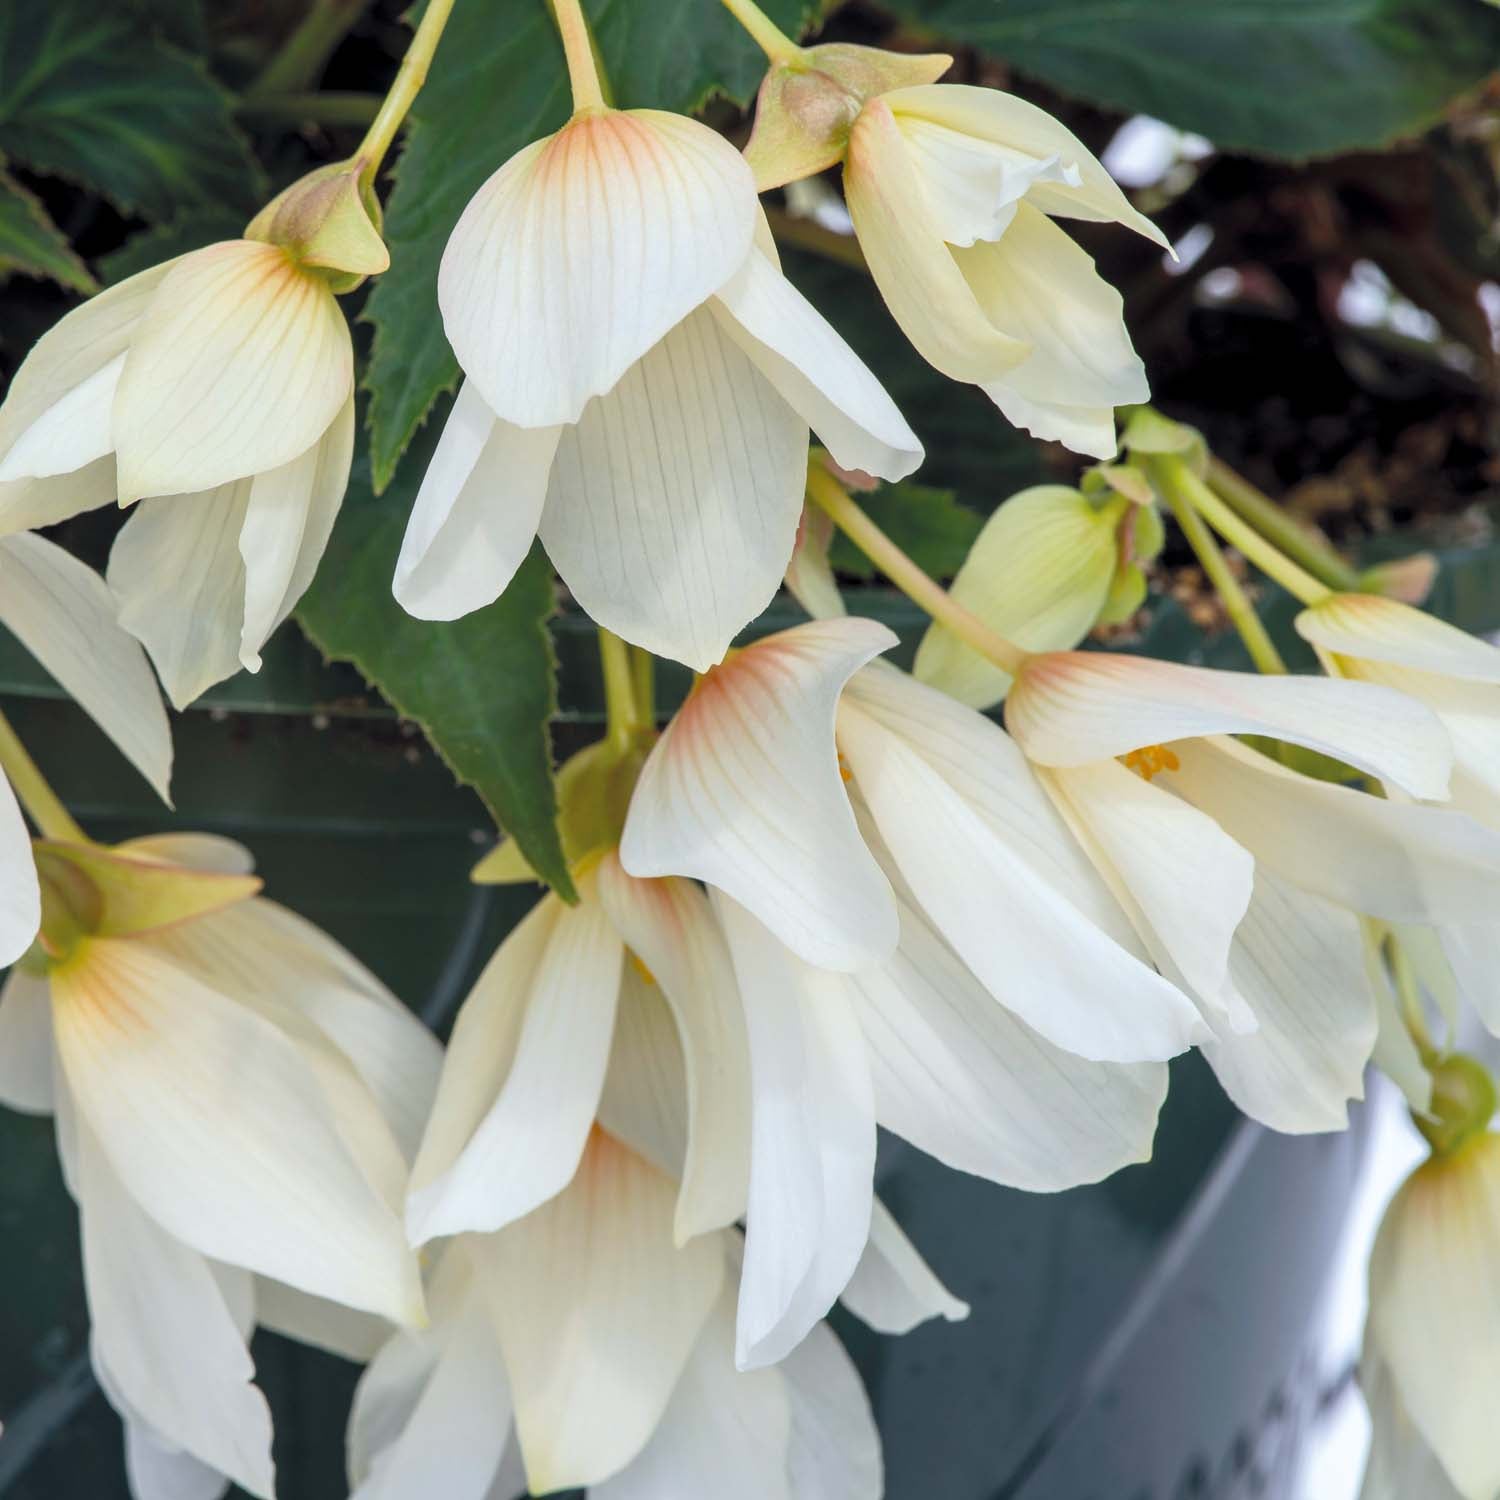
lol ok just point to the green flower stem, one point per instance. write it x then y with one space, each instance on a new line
621 710
1167 474
405 87
42 804
1410 997
764 32
333 108
578 49
300 62
643 679
1303 546
831 497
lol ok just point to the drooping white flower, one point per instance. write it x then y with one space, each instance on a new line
236 1098
639 383
63 614
215 395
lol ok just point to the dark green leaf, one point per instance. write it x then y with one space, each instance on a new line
930 526
481 687
189 231
1292 78
494 87
87 93
32 244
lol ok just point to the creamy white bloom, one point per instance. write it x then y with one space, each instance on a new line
953 191
1433 1332
640 380
235 1099
215 394
63 614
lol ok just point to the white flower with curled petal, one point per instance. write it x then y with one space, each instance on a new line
236 1099
214 394
639 383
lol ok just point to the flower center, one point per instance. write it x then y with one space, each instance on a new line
1151 760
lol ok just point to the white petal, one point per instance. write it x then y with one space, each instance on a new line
1393 860
241 364
20 895
835 1452
1378 629
743 792
1400 1465
30 504
319 1323
815 371
288 520
644 1103
1185 882
155 1471
1435 1309
893 1289
1034 951
812 1155
219 1125
73 432
583 250
164 1333
544 1050
210 852
192 630
1299 963
477 512
668 924
1082 429
26 1044
598 1314
961 1078
65 615
1072 707
674 500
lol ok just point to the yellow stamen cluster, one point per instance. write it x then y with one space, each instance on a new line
1151 760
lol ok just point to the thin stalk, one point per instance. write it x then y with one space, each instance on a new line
830 496
42 804
764 32
1410 997
578 49
1210 555
335 107
405 87
643 679
621 712
1270 559
300 61
1300 544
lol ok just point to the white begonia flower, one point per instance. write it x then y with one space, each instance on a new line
953 191
1432 1339
639 383
215 395
236 1100
62 612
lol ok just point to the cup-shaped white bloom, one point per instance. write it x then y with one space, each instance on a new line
235 1100
1400 1463
1241 877
640 380
953 191
215 394
64 615
1434 1320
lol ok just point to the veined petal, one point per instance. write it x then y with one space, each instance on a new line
1016 125
192 630
835 1451
64 614
674 501
1400 1463
893 1289
220 1128
584 250
913 267
20 895
669 926
163 1332
210 852
644 1103
318 1322
1389 859
1298 961
812 1154
1072 707
1027 944
71 433
476 513
960 1077
1380 629
1435 1308
598 1314
743 792
30 504
288 519
549 1046
26 1044
243 363
819 376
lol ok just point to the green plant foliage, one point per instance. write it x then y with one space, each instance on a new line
32 244
1292 78
494 87
481 688
930 526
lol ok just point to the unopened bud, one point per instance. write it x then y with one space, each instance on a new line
1463 1103
1149 434
329 221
